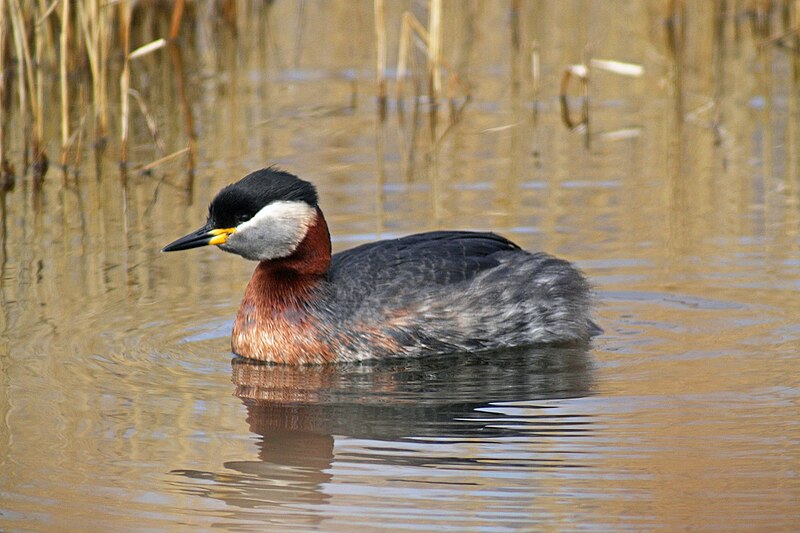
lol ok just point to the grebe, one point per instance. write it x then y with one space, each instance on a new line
430 293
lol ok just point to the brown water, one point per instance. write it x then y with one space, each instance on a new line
120 406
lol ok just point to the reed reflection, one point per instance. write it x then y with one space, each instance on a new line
301 413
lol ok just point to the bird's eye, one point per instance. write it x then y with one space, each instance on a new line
242 218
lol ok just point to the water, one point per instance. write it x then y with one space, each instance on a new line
122 407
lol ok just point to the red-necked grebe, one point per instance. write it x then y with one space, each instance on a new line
430 293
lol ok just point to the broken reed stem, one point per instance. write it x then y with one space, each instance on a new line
581 72
64 43
380 39
173 155
408 27
46 12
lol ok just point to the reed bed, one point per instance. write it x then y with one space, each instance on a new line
73 60
60 51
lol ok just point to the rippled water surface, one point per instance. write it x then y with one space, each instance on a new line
121 405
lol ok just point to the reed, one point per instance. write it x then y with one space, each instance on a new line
435 47
92 51
175 22
429 42
24 78
68 35
95 19
40 43
380 44
3 79
125 80
64 43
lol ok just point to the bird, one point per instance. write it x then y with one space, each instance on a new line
423 294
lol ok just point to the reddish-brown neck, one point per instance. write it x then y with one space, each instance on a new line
312 256
273 323
286 280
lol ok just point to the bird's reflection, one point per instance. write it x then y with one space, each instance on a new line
300 412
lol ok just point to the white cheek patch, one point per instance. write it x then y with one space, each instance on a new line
275 231
293 214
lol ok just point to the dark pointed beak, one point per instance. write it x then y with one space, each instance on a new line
203 237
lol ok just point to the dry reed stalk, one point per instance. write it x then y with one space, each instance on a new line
536 68
581 72
87 30
676 26
64 43
175 23
94 28
380 38
632 70
3 87
49 44
435 47
25 77
79 134
151 122
402 55
39 157
409 26
148 48
46 11
411 30
178 69
125 79
230 11
780 36
150 166
795 21
103 35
